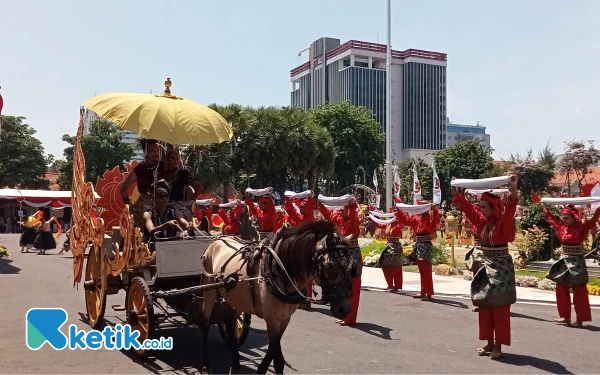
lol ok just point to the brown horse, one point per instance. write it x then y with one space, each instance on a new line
273 278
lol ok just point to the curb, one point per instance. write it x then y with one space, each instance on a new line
455 294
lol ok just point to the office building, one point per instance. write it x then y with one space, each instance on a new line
456 133
128 137
356 71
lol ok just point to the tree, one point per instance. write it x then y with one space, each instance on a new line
22 160
357 139
103 149
464 160
547 158
425 174
577 160
533 177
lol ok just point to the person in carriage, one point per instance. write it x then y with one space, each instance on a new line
145 174
181 198
162 222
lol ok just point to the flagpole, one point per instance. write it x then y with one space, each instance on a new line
388 111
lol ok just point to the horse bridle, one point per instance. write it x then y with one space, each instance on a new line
329 291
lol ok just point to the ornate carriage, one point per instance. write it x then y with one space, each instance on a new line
160 285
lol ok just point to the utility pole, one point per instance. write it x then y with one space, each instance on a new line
389 178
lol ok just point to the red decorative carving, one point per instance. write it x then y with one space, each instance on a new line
108 187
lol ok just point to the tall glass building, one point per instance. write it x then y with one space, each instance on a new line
356 71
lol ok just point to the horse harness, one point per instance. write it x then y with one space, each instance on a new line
264 253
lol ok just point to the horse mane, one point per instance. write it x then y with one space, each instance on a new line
298 244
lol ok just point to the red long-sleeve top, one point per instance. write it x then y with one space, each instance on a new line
306 207
202 212
391 230
231 219
348 226
267 219
574 234
281 219
492 231
423 224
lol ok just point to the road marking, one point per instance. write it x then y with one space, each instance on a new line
323 369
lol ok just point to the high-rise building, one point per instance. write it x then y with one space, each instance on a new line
356 71
456 133
128 137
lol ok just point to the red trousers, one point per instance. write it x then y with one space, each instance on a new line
426 277
351 318
581 300
494 323
393 277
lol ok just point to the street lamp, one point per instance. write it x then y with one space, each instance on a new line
451 229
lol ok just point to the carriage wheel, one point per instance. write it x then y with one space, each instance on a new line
242 329
95 288
140 311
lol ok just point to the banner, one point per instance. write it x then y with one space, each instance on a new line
416 186
396 182
377 195
437 191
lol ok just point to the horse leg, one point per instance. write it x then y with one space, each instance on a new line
278 360
207 307
230 325
273 334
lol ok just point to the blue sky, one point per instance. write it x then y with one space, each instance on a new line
528 70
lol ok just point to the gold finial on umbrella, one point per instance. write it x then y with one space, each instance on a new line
168 86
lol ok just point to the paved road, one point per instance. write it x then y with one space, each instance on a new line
396 334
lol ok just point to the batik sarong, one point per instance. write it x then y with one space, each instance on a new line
494 284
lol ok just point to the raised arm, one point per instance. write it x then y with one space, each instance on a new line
252 208
408 220
224 216
326 212
467 208
591 223
552 220
288 206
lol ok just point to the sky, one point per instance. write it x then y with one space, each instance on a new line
527 70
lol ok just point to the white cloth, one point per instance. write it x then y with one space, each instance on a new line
481 183
414 209
204 202
575 201
230 204
479 192
301 195
335 201
258 192
382 221
595 193
279 209
382 215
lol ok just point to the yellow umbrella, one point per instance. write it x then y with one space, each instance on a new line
166 118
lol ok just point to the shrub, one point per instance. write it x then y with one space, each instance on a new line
531 244
535 217
439 253
527 281
546 284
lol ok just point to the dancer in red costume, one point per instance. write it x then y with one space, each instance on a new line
570 272
264 212
425 226
231 218
495 224
347 222
392 257
300 210
203 212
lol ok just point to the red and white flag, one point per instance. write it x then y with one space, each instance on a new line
437 191
396 183
377 195
416 186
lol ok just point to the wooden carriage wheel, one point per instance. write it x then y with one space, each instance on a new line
140 311
242 329
95 288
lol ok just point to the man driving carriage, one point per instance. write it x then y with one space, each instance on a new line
161 221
